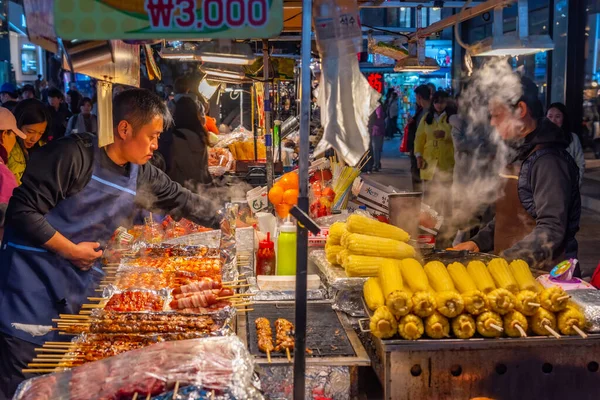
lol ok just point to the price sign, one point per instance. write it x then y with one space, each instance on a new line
167 19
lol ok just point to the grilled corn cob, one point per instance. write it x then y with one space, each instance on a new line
336 230
331 252
383 324
542 319
362 266
396 298
342 257
414 276
489 324
569 318
449 303
367 226
512 322
527 302
501 301
460 277
463 326
480 274
344 237
373 294
437 326
554 299
424 304
357 243
475 302
438 277
500 272
520 270
410 327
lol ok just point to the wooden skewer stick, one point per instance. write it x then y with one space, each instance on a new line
496 327
237 286
44 350
135 395
268 356
73 323
552 331
58 355
43 365
149 396
73 316
88 306
59 343
521 330
287 353
38 370
533 304
175 390
96 298
245 310
580 332
563 298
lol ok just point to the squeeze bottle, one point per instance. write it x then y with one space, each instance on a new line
286 249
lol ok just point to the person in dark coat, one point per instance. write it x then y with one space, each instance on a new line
538 214
185 148
423 95
59 113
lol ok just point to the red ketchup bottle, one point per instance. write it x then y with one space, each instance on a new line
265 257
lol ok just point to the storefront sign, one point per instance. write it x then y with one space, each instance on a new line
167 19
376 81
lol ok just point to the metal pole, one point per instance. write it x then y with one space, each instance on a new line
241 107
268 135
302 241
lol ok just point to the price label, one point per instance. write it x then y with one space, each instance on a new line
171 19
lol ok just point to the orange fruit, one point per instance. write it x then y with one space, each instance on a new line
289 181
290 197
283 210
276 195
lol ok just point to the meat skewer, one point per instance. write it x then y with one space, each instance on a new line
284 336
265 336
198 286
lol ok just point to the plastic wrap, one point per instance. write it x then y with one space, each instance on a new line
589 302
349 302
282 295
322 382
220 364
135 278
219 161
334 276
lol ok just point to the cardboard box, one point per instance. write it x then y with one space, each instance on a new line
375 195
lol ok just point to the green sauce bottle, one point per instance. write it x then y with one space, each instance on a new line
286 249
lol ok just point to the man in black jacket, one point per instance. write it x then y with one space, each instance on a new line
538 214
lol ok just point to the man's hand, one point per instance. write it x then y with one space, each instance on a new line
469 246
439 134
420 163
84 254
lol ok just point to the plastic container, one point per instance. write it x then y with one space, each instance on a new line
265 257
286 249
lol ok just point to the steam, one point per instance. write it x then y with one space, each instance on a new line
483 154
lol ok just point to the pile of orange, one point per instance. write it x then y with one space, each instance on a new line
284 194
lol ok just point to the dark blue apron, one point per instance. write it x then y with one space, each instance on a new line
37 285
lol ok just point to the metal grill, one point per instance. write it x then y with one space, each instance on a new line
325 335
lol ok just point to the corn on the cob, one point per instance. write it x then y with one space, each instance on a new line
424 304
357 243
336 230
438 277
512 322
569 318
396 298
480 274
414 276
501 301
463 326
554 299
373 294
331 252
500 272
449 303
383 324
460 277
344 237
540 320
520 270
437 326
367 226
527 302
410 327
363 266
475 302
342 257
489 324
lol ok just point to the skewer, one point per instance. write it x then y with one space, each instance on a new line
73 323
521 331
533 304
552 331
563 298
237 286
38 370
83 312
44 350
496 327
96 298
55 346
148 397
175 390
87 306
245 310
580 332
56 365
73 316
135 395
268 356
287 353
44 356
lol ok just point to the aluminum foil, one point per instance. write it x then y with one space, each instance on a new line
589 302
333 276
349 302
324 382
221 364
281 295
208 238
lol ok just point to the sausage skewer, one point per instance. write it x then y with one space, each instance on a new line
285 336
265 336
